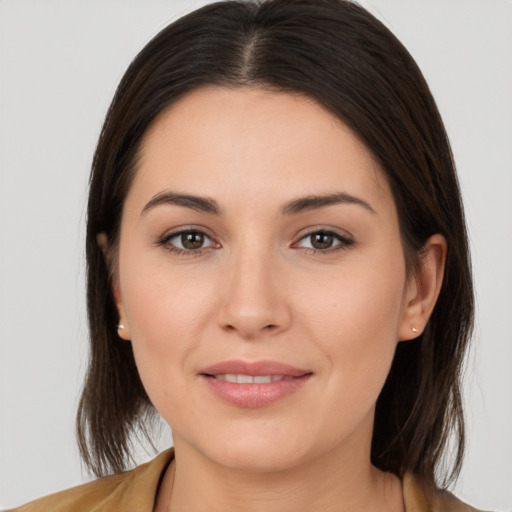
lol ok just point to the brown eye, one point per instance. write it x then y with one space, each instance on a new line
321 240
188 241
192 240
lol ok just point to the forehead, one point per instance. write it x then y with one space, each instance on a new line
248 143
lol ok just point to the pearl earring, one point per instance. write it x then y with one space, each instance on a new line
413 329
120 326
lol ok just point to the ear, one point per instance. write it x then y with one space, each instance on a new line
123 330
423 288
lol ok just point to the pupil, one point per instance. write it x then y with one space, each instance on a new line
321 240
192 240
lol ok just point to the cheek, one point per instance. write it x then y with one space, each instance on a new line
166 312
362 297
354 318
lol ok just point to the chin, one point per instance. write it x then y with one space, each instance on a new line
259 458
254 452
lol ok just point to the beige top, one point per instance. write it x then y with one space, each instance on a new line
136 490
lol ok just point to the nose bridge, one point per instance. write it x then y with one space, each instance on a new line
252 301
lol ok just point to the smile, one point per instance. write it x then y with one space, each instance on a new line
254 384
251 379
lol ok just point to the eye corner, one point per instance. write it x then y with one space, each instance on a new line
328 241
175 241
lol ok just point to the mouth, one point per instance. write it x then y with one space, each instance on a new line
257 369
254 384
250 379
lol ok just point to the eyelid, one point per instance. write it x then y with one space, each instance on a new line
344 239
165 239
177 230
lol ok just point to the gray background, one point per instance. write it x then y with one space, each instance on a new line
60 61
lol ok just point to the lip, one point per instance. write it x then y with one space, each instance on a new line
265 367
254 394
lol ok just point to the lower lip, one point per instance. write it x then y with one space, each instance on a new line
255 395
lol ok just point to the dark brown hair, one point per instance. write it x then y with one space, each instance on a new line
340 55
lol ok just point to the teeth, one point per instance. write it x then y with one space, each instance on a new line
249 379
261 379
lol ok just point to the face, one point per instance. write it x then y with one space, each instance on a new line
260 278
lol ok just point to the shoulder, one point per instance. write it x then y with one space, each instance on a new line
133 490
86 497
420 498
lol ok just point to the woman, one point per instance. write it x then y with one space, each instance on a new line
278 264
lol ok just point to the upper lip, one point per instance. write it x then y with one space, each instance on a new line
254 368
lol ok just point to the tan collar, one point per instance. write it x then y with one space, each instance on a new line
142 486
419 497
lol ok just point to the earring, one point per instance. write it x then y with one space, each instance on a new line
120 326
413 329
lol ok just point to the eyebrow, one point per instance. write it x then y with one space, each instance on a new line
319 201
197 203
208 205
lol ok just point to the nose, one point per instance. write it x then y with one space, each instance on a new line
254 300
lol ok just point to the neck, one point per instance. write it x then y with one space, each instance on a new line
329 483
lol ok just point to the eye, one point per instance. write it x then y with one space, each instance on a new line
323 241
187 241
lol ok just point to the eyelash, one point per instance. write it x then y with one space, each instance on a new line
343 242
165 242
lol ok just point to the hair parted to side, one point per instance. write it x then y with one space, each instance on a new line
340 55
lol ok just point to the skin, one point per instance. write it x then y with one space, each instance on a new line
257 289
